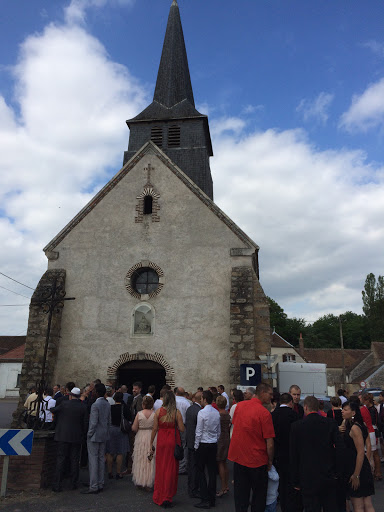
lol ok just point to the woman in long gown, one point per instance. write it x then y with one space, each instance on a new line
143 470
167 418
357 468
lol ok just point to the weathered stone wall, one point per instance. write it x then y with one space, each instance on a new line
335 377
31 371
192 246
262 327
250 334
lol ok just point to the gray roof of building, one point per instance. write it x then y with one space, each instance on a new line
173 79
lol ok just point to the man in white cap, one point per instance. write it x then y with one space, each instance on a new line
70 433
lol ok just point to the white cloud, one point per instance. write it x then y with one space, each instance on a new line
375 46
366 111
59 141
228 126
317 109
75 12
251 109
317 216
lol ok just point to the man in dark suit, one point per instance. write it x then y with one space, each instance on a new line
315 444
190 423
69 434
68 387
137 401
56 392
295 392
98 434
282 418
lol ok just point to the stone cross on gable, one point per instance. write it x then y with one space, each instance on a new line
149 168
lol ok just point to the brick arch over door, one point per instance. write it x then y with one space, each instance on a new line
143 356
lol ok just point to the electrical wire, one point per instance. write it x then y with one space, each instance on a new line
8 290
11 278
10 305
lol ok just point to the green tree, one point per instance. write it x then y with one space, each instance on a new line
278 318
373 305
288 328
355 330
323 333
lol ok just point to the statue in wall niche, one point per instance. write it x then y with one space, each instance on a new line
143 327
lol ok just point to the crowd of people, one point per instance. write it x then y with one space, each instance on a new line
281 449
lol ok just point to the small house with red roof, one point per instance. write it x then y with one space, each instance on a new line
11 360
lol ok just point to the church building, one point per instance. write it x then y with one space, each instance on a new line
163 285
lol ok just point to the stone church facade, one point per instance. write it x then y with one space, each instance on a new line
165 285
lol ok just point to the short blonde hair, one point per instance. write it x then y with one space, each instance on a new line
221 402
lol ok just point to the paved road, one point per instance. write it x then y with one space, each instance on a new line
6 409
121 496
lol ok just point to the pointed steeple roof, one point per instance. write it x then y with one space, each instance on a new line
173 79
173 98
171 120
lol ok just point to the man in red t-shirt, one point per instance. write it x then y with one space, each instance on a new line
251 449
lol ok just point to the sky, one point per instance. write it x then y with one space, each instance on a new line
294 91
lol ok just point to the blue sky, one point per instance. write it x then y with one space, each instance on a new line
294 91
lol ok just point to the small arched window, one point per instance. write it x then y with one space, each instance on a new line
143 320
148 203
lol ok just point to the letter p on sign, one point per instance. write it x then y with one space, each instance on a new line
249 372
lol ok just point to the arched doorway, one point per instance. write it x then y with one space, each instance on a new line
142 366
147 372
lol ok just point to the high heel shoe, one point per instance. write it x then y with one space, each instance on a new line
110 476
119 477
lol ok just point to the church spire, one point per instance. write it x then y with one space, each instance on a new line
171 121
173 79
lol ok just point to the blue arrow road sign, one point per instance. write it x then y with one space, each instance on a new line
16 442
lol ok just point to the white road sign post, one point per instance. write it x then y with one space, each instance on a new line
13 442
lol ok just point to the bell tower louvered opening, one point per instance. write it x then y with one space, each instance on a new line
174 136
157 136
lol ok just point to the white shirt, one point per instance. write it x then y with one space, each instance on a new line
232 411
111 400
208 426
47 403
343 399
227 397
273 485
158 404
182 404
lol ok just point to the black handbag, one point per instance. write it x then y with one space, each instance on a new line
125 425
179 450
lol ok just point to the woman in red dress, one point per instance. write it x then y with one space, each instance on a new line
167 467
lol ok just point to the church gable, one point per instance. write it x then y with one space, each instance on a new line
146 200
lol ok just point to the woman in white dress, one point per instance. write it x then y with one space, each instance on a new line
143 469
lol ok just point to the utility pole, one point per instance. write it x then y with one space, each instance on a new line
342 350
